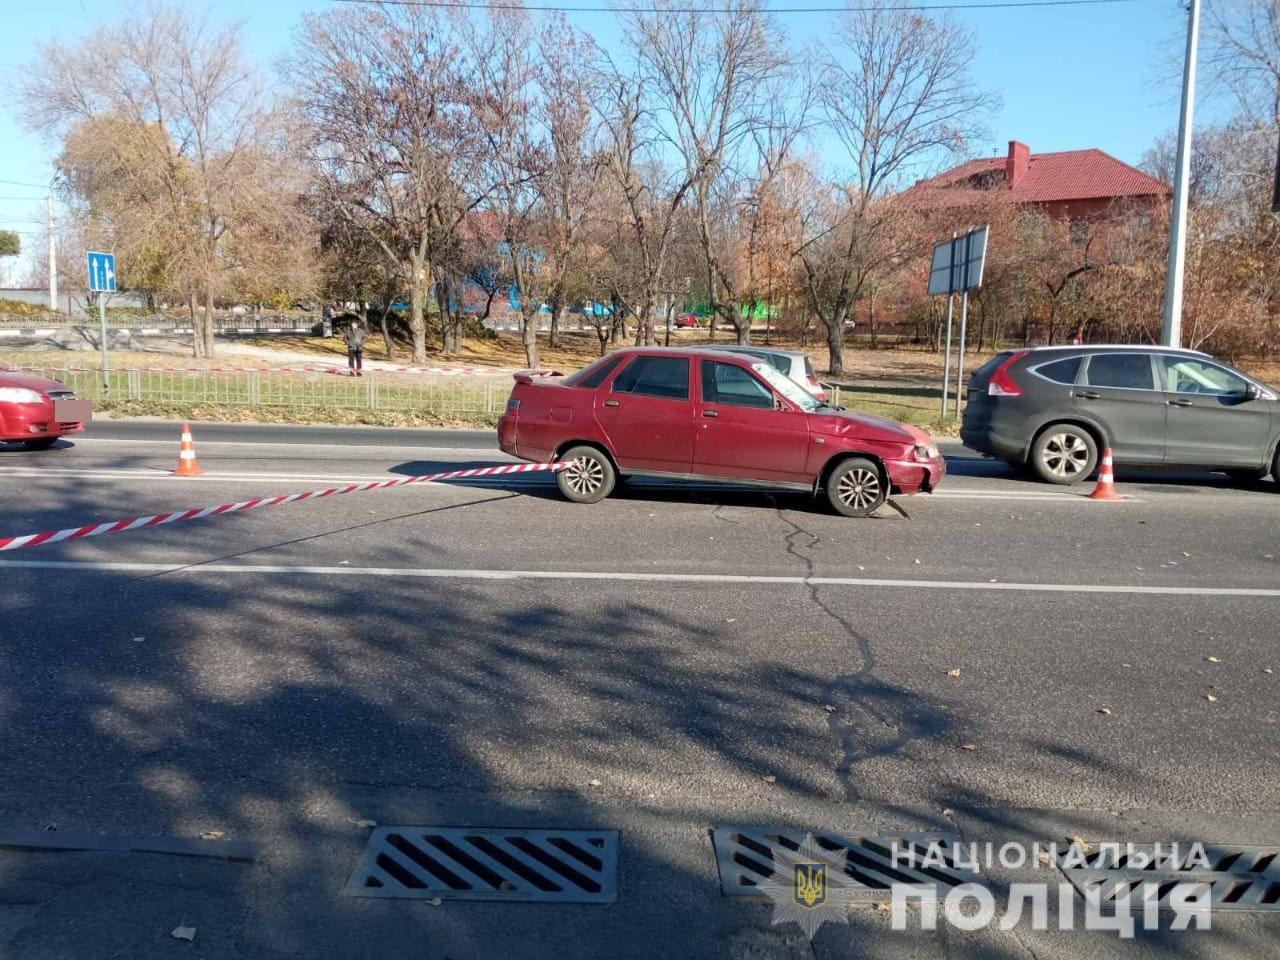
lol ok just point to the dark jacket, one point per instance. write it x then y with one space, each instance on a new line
355 337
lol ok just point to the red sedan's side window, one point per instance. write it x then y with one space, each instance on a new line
729 383
666 377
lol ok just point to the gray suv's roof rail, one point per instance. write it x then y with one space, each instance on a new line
1137 347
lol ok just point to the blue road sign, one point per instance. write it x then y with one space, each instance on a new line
102 271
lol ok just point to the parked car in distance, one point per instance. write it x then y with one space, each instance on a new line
793 363
1053 409
37 411
708 414
685 320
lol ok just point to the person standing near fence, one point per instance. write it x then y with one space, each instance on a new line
355 348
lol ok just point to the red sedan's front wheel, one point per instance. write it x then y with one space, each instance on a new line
588 478
856 487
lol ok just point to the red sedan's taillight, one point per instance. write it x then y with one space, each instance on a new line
1001 383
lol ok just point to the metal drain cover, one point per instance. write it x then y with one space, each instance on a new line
874 862
1239 878
468 863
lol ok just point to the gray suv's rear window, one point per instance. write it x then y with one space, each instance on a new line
1060 371
1129 370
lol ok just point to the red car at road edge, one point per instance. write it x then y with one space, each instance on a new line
38 411
703 414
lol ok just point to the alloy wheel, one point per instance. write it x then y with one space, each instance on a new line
584 476
1065 455
859 488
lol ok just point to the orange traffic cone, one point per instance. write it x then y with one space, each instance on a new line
1106 488
187 466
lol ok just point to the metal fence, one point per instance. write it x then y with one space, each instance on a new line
168 323
457 396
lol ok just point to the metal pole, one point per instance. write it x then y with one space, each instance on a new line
946 363
1171 323
102 324
53 257
964 323
951 287
1275 196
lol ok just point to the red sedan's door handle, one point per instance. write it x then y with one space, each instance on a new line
611 403
1086 395
710 413
1178 403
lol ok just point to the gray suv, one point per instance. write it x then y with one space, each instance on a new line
1052 409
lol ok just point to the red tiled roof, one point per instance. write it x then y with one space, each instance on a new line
1067 175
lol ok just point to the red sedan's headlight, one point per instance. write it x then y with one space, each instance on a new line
926 451
19 395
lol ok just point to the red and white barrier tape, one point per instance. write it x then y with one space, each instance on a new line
199 513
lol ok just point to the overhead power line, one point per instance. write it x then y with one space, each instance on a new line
23 183
556 8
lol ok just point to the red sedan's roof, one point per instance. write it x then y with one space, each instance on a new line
12 378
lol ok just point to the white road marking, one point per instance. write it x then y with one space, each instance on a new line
197 567
207 477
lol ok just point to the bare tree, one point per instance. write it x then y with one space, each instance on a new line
391 134
720 80
503 87
896 94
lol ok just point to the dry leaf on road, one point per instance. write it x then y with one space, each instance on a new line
1105 711
954 673
969 746
184 933
1211 698
1212 660
769 778
212 835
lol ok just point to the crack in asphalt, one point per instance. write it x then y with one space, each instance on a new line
883 705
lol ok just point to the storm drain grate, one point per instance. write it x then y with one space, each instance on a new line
1239 878
466 863
747 857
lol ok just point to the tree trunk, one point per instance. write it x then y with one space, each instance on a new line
529 338
208 317
197 328
417 308
386 334
835 344
557 307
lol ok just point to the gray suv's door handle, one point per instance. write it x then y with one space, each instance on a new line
611 403
1086 394
1178 403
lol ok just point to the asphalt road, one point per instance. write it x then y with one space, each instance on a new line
668 661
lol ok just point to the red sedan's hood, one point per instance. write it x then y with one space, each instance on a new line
28 382
868 427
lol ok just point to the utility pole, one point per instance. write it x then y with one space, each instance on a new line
1275 196
1171 323
53 256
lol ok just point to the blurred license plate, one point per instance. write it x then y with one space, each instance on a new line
72 411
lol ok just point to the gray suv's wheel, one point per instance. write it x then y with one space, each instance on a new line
856 488
589 478
1063 453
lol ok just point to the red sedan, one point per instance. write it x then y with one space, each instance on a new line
39 411
710 415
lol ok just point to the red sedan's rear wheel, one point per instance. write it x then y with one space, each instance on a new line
856 488
590 476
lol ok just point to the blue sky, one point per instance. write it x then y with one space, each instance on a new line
1068 77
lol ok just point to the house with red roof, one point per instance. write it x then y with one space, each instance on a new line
1068 185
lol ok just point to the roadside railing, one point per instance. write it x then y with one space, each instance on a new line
167 323
446 396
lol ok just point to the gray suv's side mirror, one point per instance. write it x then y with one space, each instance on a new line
1252 392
